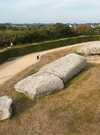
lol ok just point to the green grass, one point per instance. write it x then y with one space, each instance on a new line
36 47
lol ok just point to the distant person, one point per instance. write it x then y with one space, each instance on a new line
38 57
11 44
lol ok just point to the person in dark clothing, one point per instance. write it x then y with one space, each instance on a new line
38 57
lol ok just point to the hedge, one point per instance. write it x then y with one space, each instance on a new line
36 47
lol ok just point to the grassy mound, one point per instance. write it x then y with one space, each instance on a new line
36 47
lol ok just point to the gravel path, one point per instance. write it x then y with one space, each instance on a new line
10 68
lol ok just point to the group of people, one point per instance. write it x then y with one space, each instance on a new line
11 45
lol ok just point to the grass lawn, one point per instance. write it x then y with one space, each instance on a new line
3 49
72 111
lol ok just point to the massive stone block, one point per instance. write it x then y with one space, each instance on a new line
39 84
5 107
66 67
52 76
90 49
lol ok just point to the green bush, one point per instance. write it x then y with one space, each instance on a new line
32 34
25 49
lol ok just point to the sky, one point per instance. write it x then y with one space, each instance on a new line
49 11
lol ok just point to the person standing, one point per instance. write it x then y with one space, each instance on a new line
38 57
11 44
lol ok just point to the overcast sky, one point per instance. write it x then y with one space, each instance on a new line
49 11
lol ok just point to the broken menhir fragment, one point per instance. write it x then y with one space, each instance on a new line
5 107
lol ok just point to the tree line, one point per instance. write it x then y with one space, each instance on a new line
41 32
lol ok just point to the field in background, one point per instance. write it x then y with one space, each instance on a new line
31 33
20 39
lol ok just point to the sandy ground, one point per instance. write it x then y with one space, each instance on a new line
10 68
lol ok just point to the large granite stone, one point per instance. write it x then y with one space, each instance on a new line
39 84
90 49
52 76
5 107
66 67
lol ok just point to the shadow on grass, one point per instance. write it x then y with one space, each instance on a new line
21 105
79 76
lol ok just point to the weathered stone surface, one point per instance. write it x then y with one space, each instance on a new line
5 107
90 49
39 84
66 67
52 76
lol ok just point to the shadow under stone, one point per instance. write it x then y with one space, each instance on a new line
21 104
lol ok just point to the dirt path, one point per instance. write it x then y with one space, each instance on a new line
9 69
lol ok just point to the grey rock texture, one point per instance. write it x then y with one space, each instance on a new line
5 107
91 49
39 84
66 67
52 76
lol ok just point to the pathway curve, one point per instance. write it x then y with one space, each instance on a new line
10 68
